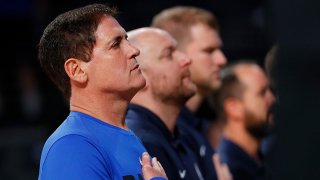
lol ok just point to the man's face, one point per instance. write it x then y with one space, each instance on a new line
113 67
257 100
167 72
207 57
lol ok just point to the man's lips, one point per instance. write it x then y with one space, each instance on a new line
136 66
216 74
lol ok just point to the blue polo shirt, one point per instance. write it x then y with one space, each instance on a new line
241 165
187 124
176 157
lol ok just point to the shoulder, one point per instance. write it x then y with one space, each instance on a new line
144 127
136 114
73 156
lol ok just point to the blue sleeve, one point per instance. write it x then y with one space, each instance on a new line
74 157
158 178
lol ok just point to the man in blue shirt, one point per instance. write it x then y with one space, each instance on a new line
244 102
86 54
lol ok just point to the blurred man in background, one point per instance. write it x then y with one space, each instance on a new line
245 100
197 33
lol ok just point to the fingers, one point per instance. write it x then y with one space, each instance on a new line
145 161
226 172
217 163
157 165
222 170
217 166
146 166
162 170
151 168
216 159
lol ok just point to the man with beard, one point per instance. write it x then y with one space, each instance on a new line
197 33
153 112
244 102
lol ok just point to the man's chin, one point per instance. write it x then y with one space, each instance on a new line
215 86
138 85
259 131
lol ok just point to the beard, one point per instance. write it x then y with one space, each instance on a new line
178 94
178 97
257 128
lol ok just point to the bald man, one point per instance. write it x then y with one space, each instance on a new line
154 109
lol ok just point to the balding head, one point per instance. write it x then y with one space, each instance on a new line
165 68
151 42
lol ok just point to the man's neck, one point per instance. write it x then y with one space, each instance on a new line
167 112
194 102
105 107
242 138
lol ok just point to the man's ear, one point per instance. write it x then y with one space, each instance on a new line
233 108
75 71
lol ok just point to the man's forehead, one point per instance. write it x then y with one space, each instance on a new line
204 36
109 20
170 42
110 26
202 29
251 75
162 40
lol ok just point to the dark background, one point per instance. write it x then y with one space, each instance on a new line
31 107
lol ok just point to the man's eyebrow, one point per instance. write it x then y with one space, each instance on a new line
167 49
116 39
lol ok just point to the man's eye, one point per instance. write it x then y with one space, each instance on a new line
209 50
116 45
263 92
170 53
